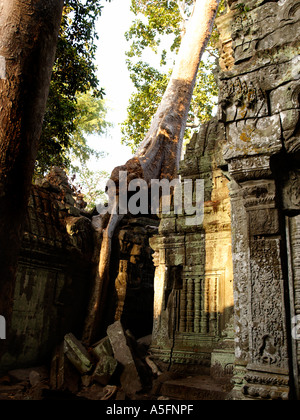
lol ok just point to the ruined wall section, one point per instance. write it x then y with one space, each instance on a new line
259 108
193 300
54 274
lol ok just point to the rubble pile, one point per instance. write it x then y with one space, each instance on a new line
117 367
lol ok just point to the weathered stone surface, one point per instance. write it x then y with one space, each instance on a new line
130 379
53 277
105 369
193 263
21 375
193 388
259 107
145 341
118 341
243 256
77 354
102 348
291 190
132 277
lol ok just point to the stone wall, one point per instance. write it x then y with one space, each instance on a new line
193 301
54 274
259 109
57 265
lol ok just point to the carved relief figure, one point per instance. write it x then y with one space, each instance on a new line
268 350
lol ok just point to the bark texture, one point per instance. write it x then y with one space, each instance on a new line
28 38
159 154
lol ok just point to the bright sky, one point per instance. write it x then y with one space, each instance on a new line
114 78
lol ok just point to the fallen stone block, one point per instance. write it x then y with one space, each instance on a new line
130 378
153 367
145 341
102 348
77 354
119 343
86 380
105 369
200 388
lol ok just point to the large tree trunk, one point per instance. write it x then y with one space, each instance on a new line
28 38
159 154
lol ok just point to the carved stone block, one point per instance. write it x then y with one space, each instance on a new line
252 167
264 222
253 137
268 332
291 191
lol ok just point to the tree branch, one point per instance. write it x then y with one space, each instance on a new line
212 54
181 6
192 125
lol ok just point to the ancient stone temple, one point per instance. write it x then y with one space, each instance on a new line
221 295
243 259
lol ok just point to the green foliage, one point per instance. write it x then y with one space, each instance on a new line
162 19
150 86
157 22
73 89
90 184
90 119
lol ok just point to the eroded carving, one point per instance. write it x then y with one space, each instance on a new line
269 345
291 191
259 108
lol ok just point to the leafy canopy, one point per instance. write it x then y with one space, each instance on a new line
75 105
90 185
158 30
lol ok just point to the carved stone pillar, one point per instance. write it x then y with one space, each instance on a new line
240 251
291 205
259 108
293 239
266 374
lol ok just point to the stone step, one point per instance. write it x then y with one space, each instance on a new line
194 388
